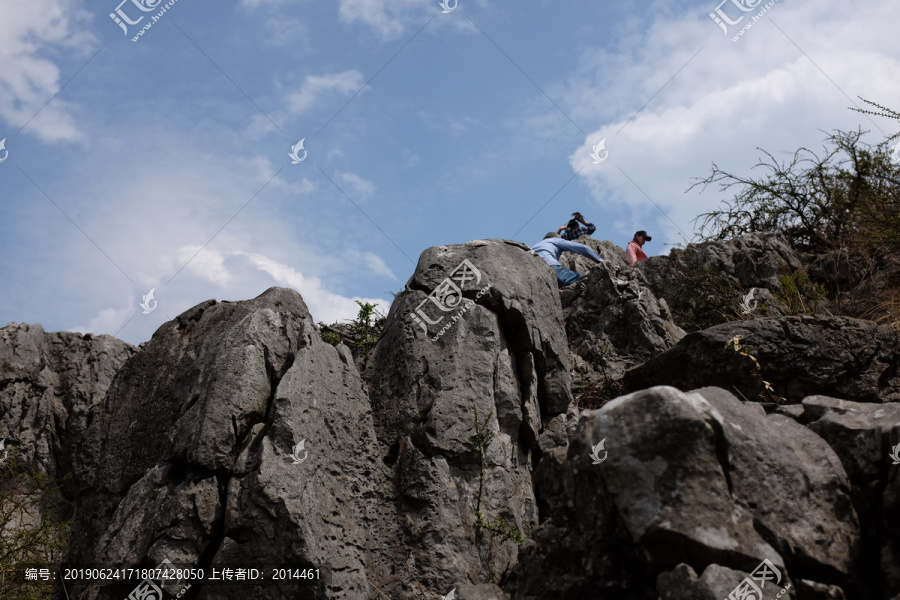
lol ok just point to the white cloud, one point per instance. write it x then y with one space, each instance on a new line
389 18
28 79
325 306
356 187
151 214
314 86
289 32
373 262
206 264
730 99
109 320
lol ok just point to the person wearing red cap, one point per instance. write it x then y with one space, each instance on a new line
633 253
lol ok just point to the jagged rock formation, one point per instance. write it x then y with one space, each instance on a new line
187 448
189 457
707 480
799 356
50 383
750 261
615 322
499 356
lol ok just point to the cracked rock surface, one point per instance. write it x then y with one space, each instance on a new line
189 457
800 356
458 460
699 478
504 359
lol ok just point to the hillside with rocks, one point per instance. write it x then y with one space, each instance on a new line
656 433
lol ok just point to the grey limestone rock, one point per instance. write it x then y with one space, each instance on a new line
800 356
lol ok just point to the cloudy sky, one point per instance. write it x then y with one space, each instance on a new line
163 163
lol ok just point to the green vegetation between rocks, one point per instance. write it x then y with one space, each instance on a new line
31 534
502 528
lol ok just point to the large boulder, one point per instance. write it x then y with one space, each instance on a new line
699 478
473 346
49 385
799 356
236 436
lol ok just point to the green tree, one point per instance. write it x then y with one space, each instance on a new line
359 334
847 195
31 531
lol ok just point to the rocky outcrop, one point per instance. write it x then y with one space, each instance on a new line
49 385
754 260
460 459
615 322
799 356
193 455
700 478
861 436
474 343
189 456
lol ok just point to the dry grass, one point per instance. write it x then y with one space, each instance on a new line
598 394
887 310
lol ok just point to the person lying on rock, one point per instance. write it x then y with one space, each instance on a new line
634 254
571 230
550 250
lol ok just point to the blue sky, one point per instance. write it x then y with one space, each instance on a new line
163 163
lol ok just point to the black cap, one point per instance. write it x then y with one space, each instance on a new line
643 234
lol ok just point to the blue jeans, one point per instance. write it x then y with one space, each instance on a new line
564 276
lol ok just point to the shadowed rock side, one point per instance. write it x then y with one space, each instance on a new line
615 322
799 356
188 458
699 478
861 434
504 356
49 383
